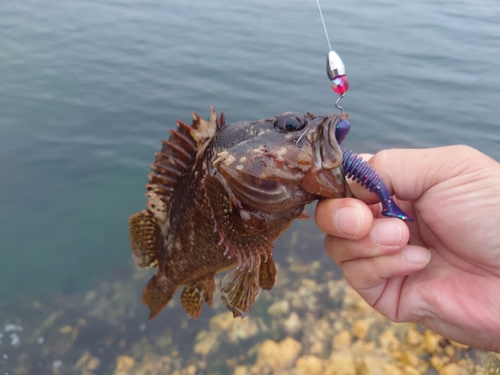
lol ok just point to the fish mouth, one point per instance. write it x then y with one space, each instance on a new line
326 177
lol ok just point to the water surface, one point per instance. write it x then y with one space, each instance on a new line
88 89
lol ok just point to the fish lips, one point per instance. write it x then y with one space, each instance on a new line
326 177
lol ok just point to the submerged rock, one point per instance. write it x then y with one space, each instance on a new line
275 358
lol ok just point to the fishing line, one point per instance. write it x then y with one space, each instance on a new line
324 26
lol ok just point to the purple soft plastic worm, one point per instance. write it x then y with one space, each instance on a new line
362 173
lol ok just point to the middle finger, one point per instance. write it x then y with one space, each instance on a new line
387 236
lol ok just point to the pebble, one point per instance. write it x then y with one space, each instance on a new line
409 370
124 363
413 337
375 365
190 370
342 340
388 340
221 322
431 341
309 365
240 370
242 329
293 324
336 290
437 362
360 328
453 369
207 342
352 300
340 363
279 308
459 346
410 358
278 356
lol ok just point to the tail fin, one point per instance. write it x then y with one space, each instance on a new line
157 294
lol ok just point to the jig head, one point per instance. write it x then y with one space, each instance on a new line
335 69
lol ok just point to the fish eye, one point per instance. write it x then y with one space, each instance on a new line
290 122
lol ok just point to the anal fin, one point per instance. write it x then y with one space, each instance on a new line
145 238
195 293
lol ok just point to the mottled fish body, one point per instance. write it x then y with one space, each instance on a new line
219 195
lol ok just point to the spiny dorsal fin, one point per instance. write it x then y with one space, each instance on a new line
177 154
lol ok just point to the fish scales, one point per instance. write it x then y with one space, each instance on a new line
219 195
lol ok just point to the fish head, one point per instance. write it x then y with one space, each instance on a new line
276 164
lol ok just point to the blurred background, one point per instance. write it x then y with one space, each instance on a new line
89 88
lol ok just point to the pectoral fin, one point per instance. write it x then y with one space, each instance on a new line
304 215
194 294
239 289
253 251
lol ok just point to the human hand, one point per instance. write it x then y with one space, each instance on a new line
443 270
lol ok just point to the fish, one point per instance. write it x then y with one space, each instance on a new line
219 195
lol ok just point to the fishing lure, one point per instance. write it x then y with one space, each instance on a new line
356 168
353 165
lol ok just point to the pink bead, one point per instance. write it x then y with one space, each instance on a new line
340 84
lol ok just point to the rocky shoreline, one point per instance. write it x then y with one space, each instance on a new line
309 323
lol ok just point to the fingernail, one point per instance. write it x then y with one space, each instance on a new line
348 221
386 233
417 255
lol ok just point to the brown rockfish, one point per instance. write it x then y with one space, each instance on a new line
219 195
